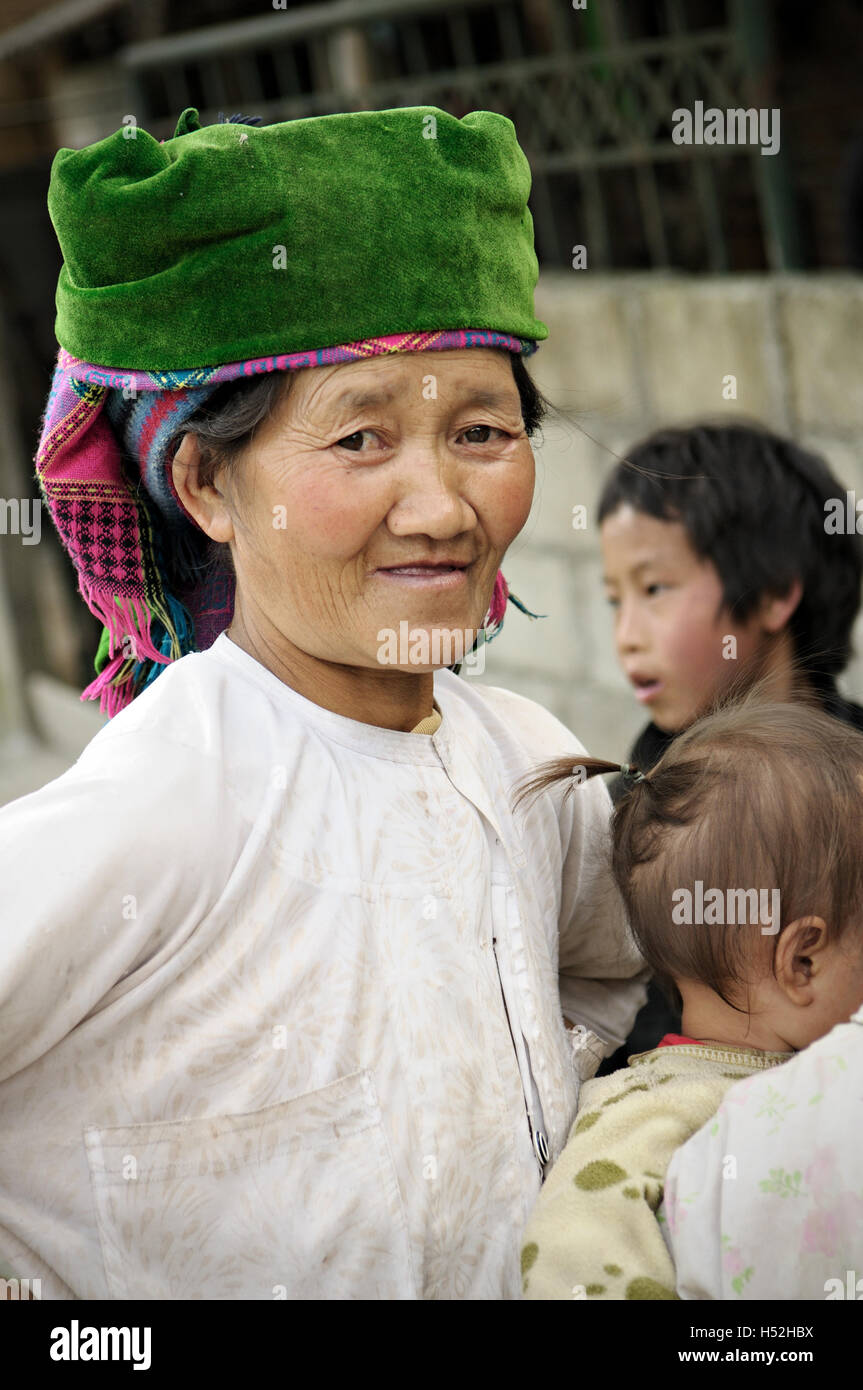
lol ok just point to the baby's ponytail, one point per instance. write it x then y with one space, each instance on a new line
575 772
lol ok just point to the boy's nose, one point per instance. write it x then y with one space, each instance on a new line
627 631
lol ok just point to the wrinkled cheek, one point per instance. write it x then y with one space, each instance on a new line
325 527
509 503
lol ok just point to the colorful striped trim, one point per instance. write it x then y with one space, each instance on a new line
291 361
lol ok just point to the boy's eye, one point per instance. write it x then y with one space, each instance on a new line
652 589
612 600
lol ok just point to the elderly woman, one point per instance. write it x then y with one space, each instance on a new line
285 981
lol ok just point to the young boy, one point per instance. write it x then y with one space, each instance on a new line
721 571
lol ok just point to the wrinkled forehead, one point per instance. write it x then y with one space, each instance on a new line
458 376
454 364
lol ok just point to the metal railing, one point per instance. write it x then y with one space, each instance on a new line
591 98
593 109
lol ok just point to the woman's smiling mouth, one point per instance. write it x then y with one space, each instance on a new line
439 576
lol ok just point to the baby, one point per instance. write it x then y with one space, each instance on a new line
738 859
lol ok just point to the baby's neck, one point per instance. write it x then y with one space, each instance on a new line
708 1019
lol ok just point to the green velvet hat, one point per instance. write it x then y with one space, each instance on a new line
232 242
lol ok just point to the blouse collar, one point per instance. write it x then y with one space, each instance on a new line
394 745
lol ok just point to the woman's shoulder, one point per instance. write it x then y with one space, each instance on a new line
152 766
182 707
507 713
204 708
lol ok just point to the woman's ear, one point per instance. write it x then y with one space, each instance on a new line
798 958
775 611
205 503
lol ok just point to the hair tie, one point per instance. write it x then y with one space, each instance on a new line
632 772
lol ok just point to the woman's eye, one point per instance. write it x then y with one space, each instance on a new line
474 428
358 436
612 601
652 589
481 434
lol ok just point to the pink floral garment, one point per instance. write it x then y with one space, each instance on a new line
766 1200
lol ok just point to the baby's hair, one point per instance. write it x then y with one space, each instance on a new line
753 796
753 504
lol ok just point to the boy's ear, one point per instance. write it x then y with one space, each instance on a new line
798 957
775 610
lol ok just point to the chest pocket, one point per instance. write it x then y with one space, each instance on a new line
298 1200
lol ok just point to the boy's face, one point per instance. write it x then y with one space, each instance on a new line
670 623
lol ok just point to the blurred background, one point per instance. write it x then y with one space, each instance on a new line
664 268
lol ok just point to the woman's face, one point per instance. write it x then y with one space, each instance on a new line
417 459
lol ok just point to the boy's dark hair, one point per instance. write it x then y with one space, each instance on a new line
754 796
752 503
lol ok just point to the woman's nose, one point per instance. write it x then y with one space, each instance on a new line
431 499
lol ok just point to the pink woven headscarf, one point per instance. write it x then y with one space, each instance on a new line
103 464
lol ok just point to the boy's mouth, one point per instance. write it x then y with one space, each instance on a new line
646 688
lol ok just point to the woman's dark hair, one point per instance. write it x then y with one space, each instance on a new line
753 504
225 425
755 796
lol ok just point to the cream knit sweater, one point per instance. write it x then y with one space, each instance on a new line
594 1233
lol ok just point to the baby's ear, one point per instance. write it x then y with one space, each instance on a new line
797 957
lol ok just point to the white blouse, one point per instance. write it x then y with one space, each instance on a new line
280 995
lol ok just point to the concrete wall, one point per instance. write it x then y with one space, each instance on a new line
627 354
